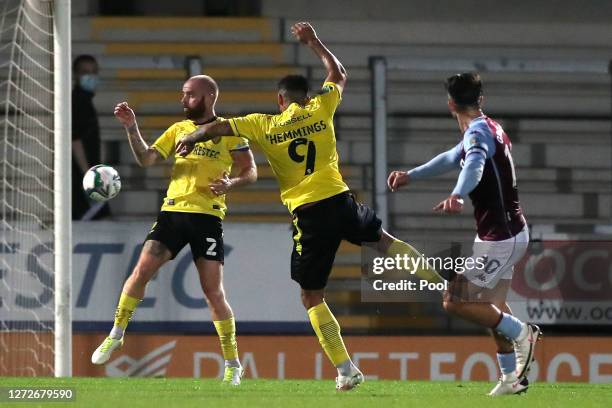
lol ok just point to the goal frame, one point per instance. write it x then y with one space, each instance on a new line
62 186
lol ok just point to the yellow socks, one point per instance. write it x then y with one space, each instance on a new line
328 331
424 271
123 314
226 329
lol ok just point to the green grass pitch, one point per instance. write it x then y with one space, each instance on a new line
166 393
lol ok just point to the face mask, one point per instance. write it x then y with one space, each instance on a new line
89 82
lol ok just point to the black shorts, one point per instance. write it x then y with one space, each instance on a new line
318 230
203 232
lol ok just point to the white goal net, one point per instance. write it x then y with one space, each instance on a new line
26 195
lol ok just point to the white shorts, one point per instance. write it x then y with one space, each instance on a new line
498 259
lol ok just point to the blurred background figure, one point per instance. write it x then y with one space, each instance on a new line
85 137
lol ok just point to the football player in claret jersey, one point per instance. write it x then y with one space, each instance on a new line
192 213
488 176
300 145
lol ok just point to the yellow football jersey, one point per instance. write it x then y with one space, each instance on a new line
300 145
188 190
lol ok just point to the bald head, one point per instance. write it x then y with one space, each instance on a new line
200 94
206 85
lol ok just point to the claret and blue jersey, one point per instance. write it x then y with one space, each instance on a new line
487 175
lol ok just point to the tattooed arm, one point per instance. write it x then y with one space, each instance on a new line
144 154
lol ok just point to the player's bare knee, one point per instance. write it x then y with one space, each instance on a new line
214 301
142 273
450 306
214 295
311 298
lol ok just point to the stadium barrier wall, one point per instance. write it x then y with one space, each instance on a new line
256 277
441 358
264 298
450 358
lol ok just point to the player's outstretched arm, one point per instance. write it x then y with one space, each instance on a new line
247 173
336 73
144 154
442 163
203 134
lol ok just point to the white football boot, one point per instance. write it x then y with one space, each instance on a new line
232 375
104 350
346 383
524 348
509 385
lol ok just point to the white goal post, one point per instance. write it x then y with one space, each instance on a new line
35 190
62 191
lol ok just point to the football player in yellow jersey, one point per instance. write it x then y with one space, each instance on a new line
300 145
192 213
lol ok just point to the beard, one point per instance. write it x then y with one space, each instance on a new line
194 113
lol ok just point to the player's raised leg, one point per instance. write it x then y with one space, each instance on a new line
327 329
153 255
391 246
211 279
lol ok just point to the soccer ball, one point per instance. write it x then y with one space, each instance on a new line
101 183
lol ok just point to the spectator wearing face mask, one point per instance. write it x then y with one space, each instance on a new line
85 136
